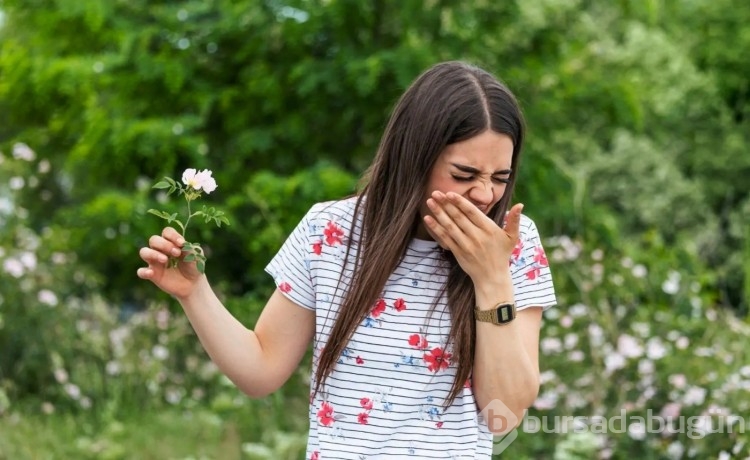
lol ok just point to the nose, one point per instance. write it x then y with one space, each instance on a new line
482 193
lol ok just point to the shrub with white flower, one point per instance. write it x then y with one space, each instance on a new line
195 184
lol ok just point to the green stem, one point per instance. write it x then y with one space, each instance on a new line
189 216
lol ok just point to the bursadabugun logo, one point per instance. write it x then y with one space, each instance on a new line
502 423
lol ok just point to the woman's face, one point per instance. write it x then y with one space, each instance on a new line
477 168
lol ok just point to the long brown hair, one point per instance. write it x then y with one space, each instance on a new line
450 102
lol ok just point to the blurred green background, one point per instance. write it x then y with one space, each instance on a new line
636 172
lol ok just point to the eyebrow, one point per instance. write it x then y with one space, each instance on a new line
471 170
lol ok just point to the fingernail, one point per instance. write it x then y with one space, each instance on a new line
176 251
180 241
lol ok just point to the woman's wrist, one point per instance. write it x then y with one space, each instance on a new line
493 289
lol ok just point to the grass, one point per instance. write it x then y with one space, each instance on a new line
166 435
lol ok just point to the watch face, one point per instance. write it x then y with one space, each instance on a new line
504 313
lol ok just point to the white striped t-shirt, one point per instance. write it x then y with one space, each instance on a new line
385 397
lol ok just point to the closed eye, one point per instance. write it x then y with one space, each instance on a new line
497 180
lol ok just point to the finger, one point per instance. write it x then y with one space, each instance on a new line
153 257
172 235
461 214
440 233
513 221
164 245
145 273
467 208
444 219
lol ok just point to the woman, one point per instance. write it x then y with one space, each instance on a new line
422 294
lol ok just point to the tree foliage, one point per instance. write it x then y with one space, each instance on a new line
636 110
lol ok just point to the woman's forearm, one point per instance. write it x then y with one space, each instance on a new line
503 369
234 348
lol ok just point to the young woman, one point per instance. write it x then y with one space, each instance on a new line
422 295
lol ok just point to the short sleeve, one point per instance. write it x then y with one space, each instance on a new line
532 280
290 267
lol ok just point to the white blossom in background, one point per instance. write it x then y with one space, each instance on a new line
576 356
672 284
16 183
28 259
645 367
72 390
546 401
678 380
48 408
596 334
642 329
629 347
694 396
547 376
13 267
61 375
85 402
160 352
44 166
637 431
47 297
655 348
565 248
682 342
22 151
671 410
551 345
578 310
613 361
675 450
173 395
112 368
639 271
703 352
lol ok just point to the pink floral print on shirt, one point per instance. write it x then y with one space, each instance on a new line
326 414
333 233
540 261
437 360
367 405
378 309
285 287
516 254
418 341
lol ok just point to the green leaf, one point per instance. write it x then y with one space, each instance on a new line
189 258
158 213
201 265
162 184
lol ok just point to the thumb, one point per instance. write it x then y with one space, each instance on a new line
513 221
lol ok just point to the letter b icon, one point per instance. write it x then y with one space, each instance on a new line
502 423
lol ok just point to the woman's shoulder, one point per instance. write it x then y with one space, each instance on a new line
338 213
527 228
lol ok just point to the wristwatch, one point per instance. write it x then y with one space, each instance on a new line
503 313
